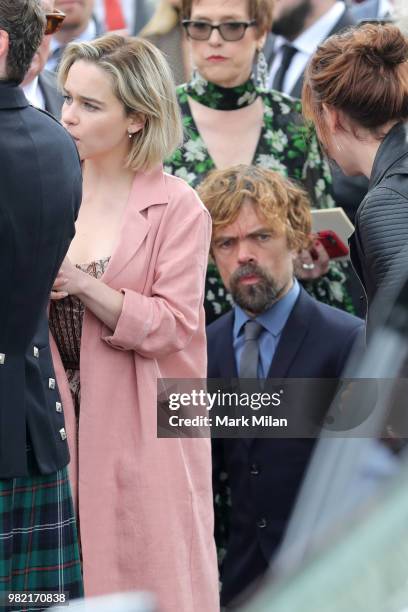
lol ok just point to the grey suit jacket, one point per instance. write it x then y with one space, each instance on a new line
53 98
170 45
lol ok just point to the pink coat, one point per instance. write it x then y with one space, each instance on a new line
145 504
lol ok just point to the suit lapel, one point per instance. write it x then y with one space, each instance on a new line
225 349
290 342
147 190
292 336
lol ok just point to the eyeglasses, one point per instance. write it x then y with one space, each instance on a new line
230 31
54 22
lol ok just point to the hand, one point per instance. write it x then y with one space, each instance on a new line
313 263
67 282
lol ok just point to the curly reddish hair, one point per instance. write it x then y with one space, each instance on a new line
284 206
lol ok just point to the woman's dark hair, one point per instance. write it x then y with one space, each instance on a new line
363 72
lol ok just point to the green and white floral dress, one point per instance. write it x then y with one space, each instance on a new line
285 145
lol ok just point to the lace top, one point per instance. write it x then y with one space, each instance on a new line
66 317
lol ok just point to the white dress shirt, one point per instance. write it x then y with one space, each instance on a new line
306 44
34 94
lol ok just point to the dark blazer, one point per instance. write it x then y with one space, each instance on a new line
53 98
265 474
40 195
378 245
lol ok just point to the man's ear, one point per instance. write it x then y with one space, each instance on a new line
136 123
4 47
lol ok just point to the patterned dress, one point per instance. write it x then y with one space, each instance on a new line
285 145
66 317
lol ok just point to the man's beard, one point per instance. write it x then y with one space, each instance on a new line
258 297
292 23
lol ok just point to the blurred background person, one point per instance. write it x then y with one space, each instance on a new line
299 26
128 15
40 85
166 32
356 92
275 330
80 24
131 312
229 118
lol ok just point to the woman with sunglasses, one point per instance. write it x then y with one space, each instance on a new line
127 312
356 93
230 119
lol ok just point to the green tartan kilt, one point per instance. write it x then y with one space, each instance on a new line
38 536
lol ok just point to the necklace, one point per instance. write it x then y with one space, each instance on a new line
221 98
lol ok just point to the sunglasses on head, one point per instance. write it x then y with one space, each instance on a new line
54 22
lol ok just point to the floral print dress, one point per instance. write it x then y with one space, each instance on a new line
285 145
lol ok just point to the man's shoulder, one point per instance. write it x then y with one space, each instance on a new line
330 318
220 326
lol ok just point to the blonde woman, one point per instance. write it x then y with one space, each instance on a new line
128 302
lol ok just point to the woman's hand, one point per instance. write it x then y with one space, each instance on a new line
313 263
68 281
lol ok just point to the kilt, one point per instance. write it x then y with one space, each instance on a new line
38 537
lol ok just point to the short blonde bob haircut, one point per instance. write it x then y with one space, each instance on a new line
143 82
283 206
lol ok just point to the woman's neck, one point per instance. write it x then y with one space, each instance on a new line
366 150
366 156
102 176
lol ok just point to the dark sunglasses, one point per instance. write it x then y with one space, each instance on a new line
230 31
54 22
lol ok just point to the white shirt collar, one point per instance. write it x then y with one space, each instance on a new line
34 94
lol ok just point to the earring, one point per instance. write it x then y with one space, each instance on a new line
197 82
261 71
130 134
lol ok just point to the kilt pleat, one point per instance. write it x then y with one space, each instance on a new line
38 537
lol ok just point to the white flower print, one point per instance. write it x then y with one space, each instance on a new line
248 98
183 173
278 139
271 163
194 150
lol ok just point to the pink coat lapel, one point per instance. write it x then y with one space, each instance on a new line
147 190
